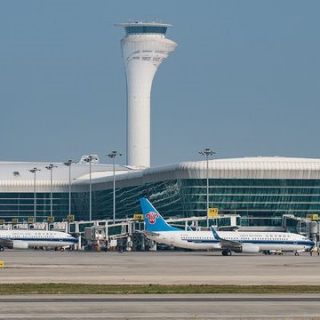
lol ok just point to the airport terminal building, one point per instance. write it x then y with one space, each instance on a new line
259 189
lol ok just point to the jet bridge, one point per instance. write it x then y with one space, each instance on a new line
309 227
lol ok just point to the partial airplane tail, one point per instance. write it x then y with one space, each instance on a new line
153 220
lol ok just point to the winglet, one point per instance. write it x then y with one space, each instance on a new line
215 234
153 220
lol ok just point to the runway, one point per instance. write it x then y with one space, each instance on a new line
27 266
157 268
160 307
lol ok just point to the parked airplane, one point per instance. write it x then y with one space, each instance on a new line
24 239
254 242
157 229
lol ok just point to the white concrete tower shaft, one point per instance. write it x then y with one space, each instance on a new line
144 48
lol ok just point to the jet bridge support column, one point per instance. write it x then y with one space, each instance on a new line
152 246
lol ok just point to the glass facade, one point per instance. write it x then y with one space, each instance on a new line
258 201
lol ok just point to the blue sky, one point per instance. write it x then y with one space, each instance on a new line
244 79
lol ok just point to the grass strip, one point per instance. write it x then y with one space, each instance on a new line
67 288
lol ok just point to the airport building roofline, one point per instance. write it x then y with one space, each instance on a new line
17 175
12 172
232 168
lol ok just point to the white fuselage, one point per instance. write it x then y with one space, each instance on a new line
38 238
204 240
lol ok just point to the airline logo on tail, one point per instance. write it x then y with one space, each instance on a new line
152 217
154 222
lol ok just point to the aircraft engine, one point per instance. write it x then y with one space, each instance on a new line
17 244
249 248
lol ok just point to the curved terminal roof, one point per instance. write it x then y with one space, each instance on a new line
16 177
255 168
234 168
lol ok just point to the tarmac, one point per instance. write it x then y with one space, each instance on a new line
166 267
159 307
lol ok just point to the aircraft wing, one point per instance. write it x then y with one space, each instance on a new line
226 244
232 245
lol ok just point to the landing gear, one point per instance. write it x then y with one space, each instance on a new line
1 248
296 253
226 252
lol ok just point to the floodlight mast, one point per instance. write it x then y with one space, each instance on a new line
89 159
144 47
34 171
68 163
207 152
50 168
113 156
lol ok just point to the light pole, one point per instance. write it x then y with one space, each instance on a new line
34 171
50 168
207 152
89 159
113 156
68 163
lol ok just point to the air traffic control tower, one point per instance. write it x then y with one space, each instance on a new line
144 47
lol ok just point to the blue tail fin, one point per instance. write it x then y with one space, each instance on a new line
153 219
